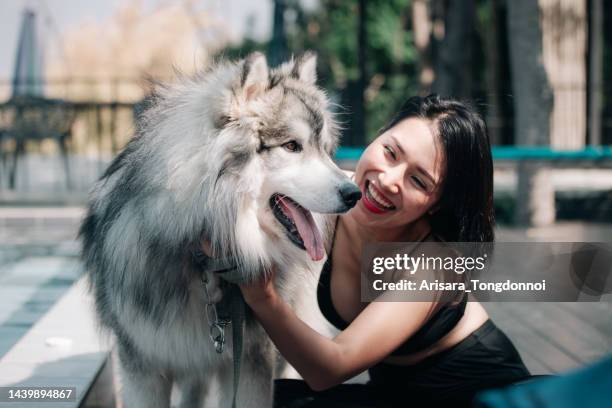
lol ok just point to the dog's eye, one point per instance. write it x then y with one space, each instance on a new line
292 146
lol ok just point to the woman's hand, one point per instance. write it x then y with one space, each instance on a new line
261 292
256 293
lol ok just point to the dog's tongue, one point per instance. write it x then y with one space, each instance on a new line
307 228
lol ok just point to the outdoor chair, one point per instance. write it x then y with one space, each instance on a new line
33 118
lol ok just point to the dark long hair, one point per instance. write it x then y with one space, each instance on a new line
465 210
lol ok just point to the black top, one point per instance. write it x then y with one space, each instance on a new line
439 325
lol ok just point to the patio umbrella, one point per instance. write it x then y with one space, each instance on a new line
28 73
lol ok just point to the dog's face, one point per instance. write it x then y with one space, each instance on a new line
290 137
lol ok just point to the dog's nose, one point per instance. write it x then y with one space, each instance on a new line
350 194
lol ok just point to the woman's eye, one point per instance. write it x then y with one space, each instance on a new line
419 183
292 146
391 152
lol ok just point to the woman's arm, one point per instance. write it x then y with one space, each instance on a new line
379 329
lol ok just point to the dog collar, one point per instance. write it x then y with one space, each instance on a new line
227 270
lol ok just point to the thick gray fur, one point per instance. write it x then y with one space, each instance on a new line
206 158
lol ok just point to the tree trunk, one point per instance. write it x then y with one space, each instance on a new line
278 46
359 117
595 70
535 203
422 30
453 55
564 36
490 35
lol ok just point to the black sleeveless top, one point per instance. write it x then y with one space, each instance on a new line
439 325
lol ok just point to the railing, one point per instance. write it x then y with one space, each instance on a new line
601 155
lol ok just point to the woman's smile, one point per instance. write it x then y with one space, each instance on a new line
375 201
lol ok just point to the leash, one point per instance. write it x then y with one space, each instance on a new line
227 271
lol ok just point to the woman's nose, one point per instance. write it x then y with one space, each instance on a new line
389 181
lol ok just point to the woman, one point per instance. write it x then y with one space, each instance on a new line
428 176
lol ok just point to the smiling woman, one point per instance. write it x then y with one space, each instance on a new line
428 176
437 153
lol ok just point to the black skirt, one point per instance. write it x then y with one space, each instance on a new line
483 360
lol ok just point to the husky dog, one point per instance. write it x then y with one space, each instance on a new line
238 155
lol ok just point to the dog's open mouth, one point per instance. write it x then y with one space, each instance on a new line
300 226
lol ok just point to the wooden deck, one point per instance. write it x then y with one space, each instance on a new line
556 337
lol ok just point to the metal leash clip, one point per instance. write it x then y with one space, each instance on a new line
216 326
217 335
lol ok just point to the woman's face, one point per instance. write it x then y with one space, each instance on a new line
399 174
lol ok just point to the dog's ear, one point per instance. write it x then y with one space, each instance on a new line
305 68
254 75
